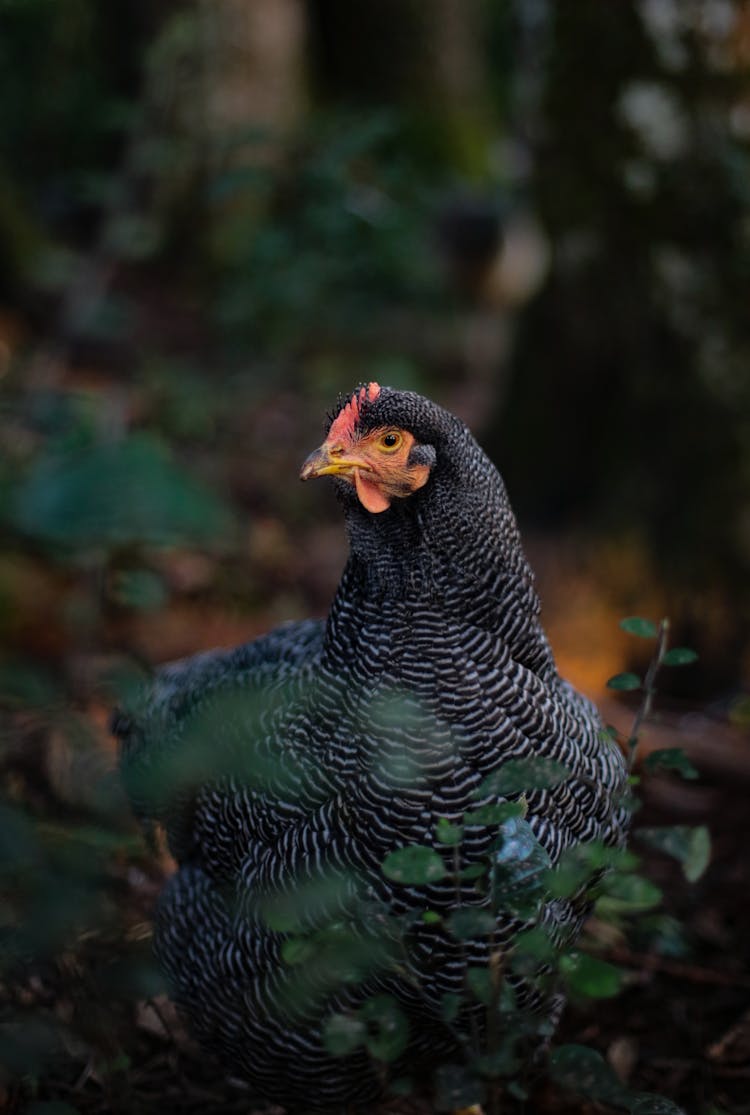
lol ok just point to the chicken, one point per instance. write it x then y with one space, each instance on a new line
287 770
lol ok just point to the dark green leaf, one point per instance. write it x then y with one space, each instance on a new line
120 1063
579 863
314 900
495 814
517 1090
450 1005
517 775
636 625
519 843
387 1028
343 1033
401 1086
474 871
646 1104
679 656
535 944
116 494
469 921
447 833
568 877
479 981
520 859
589 976
624 682
414 865
296 950
140 589
671 758
431 917
661 934
24 684
508 998
501 1062
456 1087
699 854
585 1072
689 844
628 894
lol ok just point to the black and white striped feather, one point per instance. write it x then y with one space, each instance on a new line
316 750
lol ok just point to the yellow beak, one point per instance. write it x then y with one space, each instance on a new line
330 461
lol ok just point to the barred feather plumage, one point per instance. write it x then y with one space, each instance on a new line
322 747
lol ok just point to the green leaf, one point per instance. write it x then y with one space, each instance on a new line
447 833
646 1104
578 863
431 917
508 999
24 684
495 814
140 589
534 943
517 775
120 1063
401 1086
474 871
311 900
520 859
589 976
699 854
469 921
663 935
414 865
636 625
480 984
689 844
456 1087
343 1033
584 1071
628 894
517 1090
387 1028
679 656
624 682
450 1004
501 1062
671 758
567 878
116 494
296 950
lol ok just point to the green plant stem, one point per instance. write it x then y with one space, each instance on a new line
649 692
497 974
464 952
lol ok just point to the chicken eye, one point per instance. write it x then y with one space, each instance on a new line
390 441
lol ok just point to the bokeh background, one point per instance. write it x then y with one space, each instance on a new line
216 215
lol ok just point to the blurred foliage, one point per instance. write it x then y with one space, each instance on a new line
339 227
639 343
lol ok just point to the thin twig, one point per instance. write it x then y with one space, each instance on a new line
691 973
473 1024
649 692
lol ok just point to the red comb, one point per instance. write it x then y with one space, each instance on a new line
349 415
